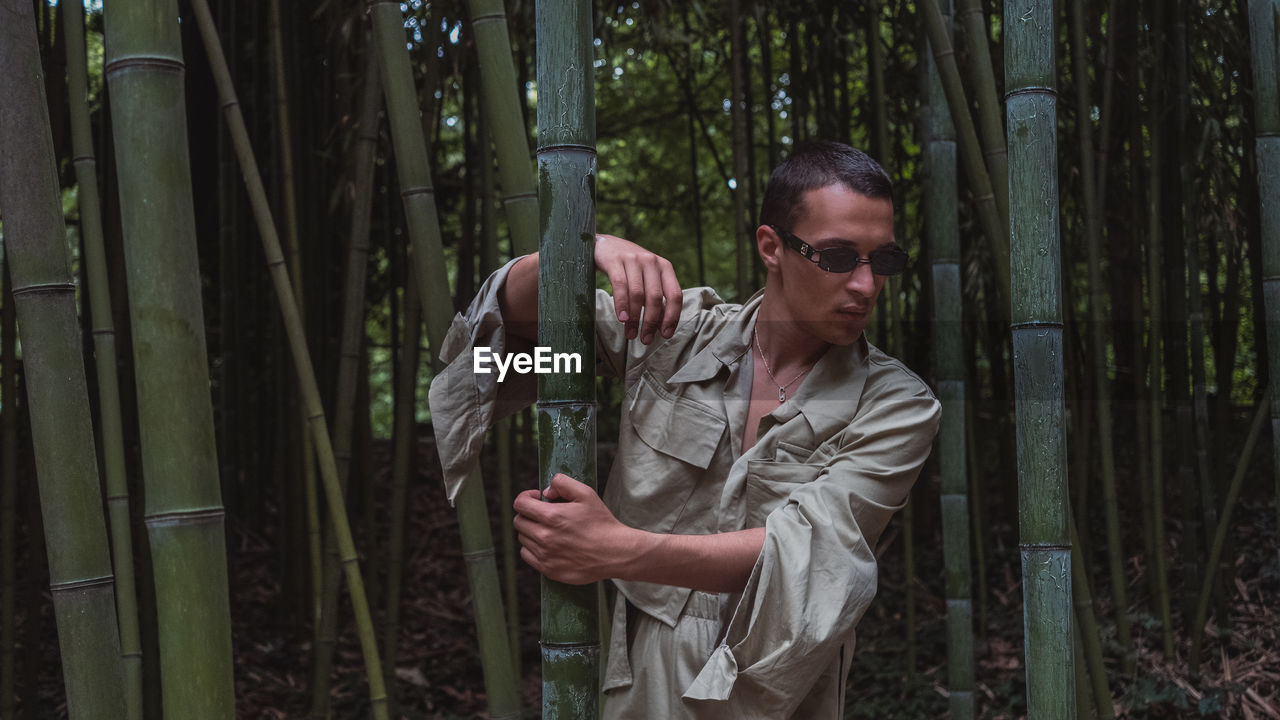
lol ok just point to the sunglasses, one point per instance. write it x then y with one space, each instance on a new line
887 260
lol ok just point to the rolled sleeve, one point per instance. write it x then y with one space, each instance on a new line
464 403
817 571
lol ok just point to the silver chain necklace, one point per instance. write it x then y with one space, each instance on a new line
782 389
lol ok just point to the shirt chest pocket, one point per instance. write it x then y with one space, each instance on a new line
661 465
674 425
769 484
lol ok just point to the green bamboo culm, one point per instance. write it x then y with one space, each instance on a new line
426 255
350 352
42 293
302 361
993 225
8 493
1098 344
942 231
983 80
1220 535
1088 636
184 515
566 401
1031 111
506 121
1264 25
1155 353
104 346
404 437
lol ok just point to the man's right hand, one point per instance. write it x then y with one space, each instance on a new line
644 288
644 284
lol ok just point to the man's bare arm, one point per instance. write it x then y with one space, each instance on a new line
580 541
643 284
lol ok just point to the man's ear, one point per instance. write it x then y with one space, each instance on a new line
770 247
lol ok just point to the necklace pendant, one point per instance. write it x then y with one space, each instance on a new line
782 395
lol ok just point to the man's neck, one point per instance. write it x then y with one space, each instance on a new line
785 344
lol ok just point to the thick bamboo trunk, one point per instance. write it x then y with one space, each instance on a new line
104 346
184 514
1037 348
1098 337
1264 24
566 402
943 235
43 294
302 362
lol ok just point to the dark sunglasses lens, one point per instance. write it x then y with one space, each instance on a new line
888 261
838 260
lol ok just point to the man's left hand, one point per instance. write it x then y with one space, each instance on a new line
576 541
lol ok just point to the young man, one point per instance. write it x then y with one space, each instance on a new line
763 448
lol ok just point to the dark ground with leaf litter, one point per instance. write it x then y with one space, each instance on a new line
438 669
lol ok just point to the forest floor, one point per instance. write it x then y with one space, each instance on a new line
438 669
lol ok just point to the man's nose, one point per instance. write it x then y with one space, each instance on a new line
861 281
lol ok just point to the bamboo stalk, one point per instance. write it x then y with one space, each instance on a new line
1089 634
184 514
43 296
8 493
104 346
1037 342
427 263
1264 24
1155 354
744 248
506 121
302 361
350 353
1220 536
1097 328
404 447
983 80
996 229
943 235
566 402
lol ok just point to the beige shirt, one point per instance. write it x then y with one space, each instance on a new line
829 468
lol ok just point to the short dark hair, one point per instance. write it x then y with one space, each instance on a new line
816 164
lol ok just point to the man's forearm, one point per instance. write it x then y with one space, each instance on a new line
518 299
711 563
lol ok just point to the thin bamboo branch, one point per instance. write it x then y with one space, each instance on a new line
104 345
1097 328
427 263
506 121
983 80
301 359
996 230
1220 535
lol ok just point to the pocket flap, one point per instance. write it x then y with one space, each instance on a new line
769 484
674 425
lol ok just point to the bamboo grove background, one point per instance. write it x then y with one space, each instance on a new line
1099 177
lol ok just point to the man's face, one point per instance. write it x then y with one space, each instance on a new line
832 307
